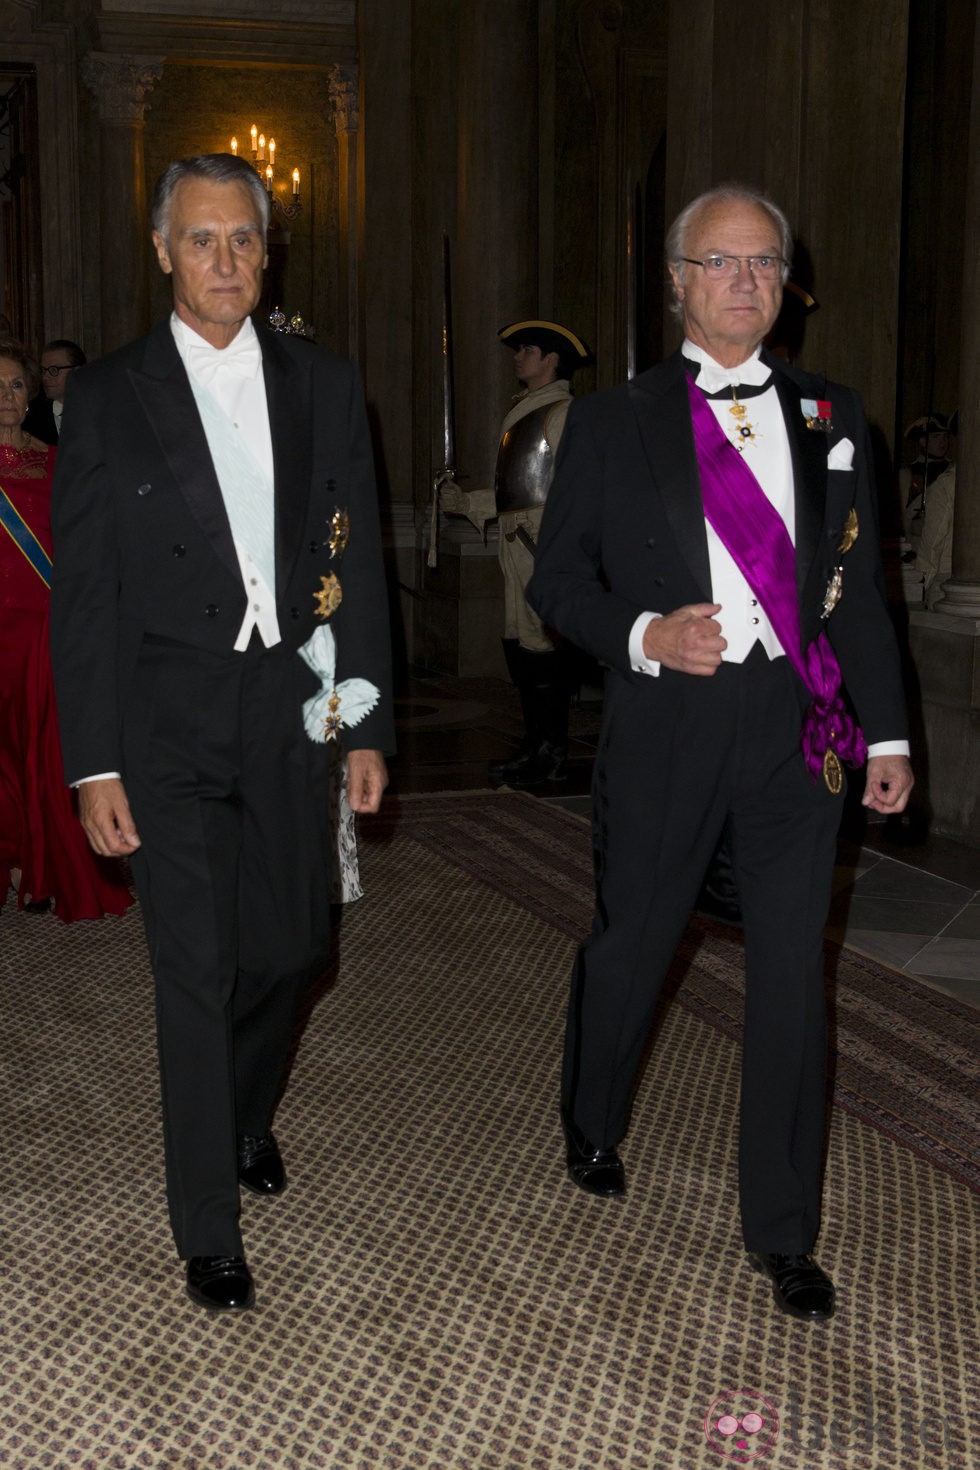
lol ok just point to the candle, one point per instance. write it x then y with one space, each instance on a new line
261 147
268 180
255 134
272 150
295 183
234 146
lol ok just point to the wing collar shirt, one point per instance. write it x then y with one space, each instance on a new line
233 377
767 453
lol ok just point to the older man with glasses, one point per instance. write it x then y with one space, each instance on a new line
711 537
59 359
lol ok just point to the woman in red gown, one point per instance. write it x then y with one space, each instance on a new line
41 839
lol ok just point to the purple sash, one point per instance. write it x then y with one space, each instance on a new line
752 531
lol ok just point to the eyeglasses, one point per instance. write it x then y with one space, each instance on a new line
723 267
56 368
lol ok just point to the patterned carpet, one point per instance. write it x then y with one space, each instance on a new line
432 1292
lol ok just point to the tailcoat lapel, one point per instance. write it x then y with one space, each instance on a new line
288 393
808 449
162 387
663 415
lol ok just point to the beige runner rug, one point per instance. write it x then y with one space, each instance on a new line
432 1292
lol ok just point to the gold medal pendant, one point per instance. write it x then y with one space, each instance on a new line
833 774
832 595
743 428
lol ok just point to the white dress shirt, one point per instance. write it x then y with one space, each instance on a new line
233 377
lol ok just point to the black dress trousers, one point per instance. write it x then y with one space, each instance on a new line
680 755
230 799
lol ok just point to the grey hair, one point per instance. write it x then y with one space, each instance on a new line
675 242
220 168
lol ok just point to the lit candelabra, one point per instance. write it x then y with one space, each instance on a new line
263 160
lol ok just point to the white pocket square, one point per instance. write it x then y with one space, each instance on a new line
841 457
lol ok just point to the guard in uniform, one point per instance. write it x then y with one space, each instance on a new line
929 437
545 356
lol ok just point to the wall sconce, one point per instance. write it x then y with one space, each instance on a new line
264 164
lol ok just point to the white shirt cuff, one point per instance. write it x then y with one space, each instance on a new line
639 662
104 776
889 747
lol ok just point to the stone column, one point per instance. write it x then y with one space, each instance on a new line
119 84
343 87
495 249
473 113
945 643
961 594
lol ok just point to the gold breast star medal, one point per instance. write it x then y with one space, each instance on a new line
339 532
850 531
329 597
744 431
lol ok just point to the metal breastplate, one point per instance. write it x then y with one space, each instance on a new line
525 463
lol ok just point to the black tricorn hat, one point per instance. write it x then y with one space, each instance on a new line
929 423
549 337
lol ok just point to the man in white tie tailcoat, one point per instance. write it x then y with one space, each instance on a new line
711 537
215 520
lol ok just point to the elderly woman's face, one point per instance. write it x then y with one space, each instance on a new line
13 393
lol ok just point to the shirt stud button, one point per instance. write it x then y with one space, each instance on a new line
180 550
212 609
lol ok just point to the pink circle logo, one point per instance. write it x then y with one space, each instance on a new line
741 1425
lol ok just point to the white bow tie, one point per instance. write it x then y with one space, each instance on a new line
241 358
713 378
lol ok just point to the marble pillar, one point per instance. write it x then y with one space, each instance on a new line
120 85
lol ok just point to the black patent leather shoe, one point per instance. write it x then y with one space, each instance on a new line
596 1170
800 1287
220 1283
260 1166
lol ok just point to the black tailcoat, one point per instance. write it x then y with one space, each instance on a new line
623 534
228 793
